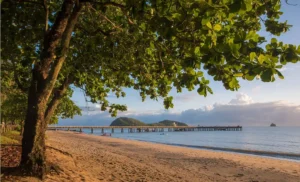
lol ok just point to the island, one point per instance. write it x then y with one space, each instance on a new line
125 121
273 125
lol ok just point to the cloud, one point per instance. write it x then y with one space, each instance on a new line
241 99
241 110
254 114
208 108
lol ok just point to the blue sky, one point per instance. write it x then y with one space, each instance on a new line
286 92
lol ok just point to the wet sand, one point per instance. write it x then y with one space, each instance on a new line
84 157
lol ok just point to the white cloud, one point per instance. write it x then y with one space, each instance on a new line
239 111
208 108
241 99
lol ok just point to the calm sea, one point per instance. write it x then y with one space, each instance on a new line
271 141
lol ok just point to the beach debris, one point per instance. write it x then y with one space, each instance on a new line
239 175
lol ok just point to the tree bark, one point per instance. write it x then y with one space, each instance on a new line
33 141
44 76
57 96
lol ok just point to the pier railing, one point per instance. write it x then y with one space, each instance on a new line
139 129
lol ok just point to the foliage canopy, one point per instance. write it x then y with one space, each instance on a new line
152 45
104 46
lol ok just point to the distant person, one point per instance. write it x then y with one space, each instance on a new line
2 126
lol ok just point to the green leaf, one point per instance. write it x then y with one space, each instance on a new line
217 27
279 74
233 83
208 24
235 49
202 90
143 26
190 71
261 59
176 15
197 51
274 41
248 4
209 90
152 45
249 77
298 49
252 35
168 102
199 74
252 56
238 74
204 21
267 75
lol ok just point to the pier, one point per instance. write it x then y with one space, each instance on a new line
142 129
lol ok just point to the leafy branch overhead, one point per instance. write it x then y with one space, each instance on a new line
150 46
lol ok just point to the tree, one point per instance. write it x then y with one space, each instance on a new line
14 101
103 46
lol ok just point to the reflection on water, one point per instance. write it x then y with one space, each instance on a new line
273 139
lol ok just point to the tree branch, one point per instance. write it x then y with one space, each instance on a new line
46 8
53 38
107 19
65 42
105 33
57 95
104 3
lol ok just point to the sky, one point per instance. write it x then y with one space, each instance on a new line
255 104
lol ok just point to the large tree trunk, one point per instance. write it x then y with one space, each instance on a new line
33 142
43 80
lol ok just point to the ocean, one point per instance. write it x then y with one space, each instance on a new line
282 142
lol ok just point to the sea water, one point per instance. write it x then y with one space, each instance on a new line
281 140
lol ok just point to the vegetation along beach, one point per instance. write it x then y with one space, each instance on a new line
204 90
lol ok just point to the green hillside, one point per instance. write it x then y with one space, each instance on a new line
124 121
168 123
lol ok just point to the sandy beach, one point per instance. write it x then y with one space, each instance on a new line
84 157
96 158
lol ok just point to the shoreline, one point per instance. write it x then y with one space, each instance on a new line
98 158
276 155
